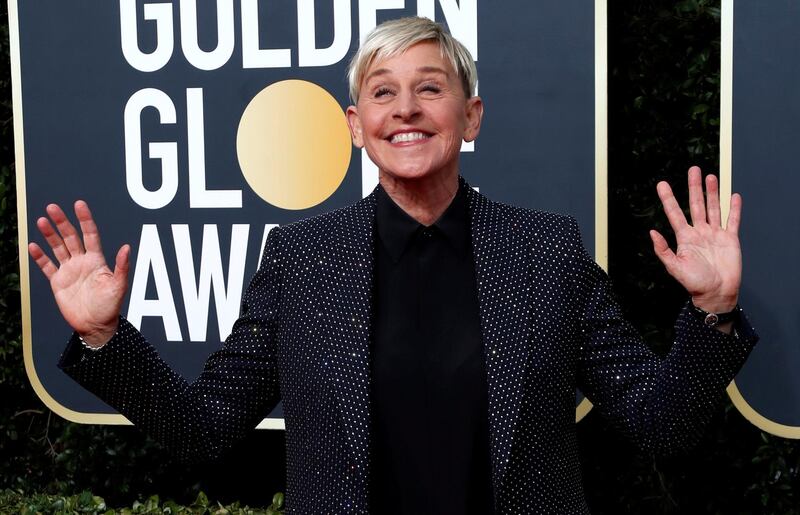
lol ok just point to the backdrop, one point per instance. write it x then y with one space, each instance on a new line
760 152
192 128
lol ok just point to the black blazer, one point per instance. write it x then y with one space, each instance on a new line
549 324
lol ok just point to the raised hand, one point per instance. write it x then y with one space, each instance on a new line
88 293
708 260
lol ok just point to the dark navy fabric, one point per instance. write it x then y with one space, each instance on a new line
549 324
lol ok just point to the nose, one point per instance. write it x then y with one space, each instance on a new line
406 106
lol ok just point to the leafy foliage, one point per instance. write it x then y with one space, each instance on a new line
14 502
664 116
664 81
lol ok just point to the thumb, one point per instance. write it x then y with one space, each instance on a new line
122 265
663 252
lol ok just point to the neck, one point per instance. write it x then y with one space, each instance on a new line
424 199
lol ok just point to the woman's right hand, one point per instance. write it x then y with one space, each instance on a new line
87 292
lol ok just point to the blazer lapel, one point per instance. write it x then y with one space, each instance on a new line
345 283
502 261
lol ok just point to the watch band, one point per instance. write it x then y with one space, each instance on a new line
89 347
713 319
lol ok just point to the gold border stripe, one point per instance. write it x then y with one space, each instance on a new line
759 420
726 106
24 268
22 222
726 187
600 150
272 423
601 133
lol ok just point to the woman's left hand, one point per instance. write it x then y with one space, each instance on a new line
708 260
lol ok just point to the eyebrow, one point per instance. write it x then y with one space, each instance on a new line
432 69
423 69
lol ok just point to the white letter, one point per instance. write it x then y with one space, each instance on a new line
199 196
469 146
166 152
252 55
162 14
369 174
461 18
189 43
196 295
151 256
367 20
307 52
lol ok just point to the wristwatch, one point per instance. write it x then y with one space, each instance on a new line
713 319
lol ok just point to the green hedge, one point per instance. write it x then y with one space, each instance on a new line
664 80
663 116
88 504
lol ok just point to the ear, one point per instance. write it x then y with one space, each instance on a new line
354 122
474 114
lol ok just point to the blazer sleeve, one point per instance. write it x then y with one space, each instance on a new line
662 404
236 389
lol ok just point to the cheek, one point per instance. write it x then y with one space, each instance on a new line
456 134
454 120
372 121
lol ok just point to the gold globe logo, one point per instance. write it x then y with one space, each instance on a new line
293 144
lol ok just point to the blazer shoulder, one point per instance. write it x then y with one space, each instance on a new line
315 230
534 223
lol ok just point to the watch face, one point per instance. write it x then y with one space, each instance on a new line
711 319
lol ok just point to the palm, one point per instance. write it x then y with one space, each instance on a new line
88 293
708 259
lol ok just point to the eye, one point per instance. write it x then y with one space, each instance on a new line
382 91
431 88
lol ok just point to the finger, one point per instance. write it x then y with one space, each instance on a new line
663 252
40 258
671 208
53 239
712 201
67 230
735 214
121 266
91 237
697 207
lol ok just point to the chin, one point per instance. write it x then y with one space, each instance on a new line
414 174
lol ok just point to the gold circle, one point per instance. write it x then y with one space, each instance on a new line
293 144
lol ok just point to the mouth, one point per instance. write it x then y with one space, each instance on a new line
408 137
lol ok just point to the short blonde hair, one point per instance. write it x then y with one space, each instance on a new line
393 37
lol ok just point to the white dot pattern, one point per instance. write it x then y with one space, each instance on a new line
549 324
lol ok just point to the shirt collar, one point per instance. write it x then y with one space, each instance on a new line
396 228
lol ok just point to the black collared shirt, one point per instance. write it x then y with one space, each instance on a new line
429 395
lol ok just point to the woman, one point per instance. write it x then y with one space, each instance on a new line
425 294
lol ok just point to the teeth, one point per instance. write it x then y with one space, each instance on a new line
408 136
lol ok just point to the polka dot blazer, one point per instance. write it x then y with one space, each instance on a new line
549 324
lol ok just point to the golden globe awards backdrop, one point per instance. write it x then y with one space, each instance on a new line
760 156
192 128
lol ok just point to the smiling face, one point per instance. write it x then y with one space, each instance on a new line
412 115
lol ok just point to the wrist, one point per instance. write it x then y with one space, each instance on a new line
721 320
716 305
96 338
